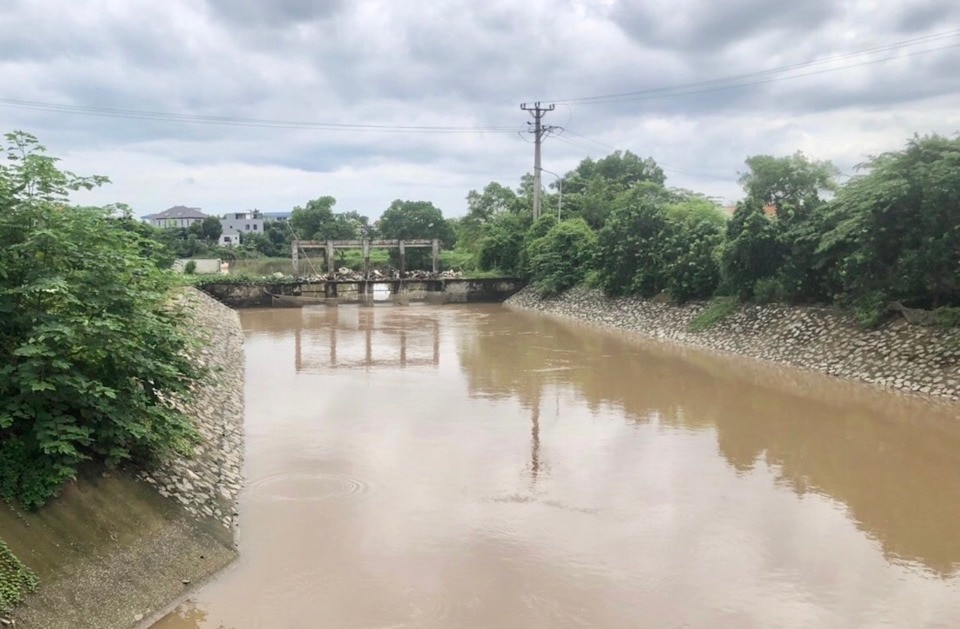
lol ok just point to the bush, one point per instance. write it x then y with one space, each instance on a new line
15 579
562 258
190 267
767 291
91 351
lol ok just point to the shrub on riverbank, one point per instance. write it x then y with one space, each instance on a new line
92 353
15 579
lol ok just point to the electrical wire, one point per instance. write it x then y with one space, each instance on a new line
694 87
161 116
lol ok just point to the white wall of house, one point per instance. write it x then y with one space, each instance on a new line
204 265
229 238
165 223
243 222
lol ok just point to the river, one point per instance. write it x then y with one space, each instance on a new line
471 466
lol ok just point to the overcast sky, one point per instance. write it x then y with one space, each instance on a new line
457 71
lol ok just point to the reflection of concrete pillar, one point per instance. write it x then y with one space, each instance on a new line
436 255
403 348
297 352
365 292
436 342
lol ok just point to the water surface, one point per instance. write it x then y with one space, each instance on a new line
476 467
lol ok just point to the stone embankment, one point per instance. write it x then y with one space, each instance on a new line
207 484
916 359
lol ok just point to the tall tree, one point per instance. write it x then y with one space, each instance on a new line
310 220
410 220
794 184
589 191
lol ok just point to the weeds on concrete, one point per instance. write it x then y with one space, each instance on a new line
716 311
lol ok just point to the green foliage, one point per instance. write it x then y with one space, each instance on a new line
768 290
895 232
629 249
411 220
502 243
482 208
752 250
309 221
561 259
590 190
15 579
91 350
793 184
716 311
211 229
947 317
690 238
538 230
190 267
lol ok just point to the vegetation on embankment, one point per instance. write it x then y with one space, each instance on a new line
887 240
15 579
92 350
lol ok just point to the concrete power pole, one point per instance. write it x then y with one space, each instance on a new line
539 130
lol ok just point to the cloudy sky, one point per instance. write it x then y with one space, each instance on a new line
236 104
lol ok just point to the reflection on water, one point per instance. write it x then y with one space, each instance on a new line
475 467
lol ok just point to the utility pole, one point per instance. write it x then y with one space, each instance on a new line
539 131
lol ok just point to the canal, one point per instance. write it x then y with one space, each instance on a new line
470 466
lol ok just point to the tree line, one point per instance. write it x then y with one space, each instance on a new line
889 234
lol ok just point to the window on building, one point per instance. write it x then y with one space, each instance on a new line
247 226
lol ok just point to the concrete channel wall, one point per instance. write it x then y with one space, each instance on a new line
207 485
440 291
916 359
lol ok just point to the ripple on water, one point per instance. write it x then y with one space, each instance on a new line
306 487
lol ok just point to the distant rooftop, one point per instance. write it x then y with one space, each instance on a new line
179 211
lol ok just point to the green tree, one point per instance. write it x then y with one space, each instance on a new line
590 190
92 352
411 220
629 251
894 232
502 242
691 237
752 251
793 184
563 256
310 221
210 229
482 208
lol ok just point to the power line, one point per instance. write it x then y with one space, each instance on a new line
161 116
737 81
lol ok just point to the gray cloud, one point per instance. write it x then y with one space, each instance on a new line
450 62
693 26
258 14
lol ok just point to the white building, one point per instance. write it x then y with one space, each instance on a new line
236 223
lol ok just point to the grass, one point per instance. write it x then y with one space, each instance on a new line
15 579
716 311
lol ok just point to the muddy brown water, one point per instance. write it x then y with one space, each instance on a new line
470 466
